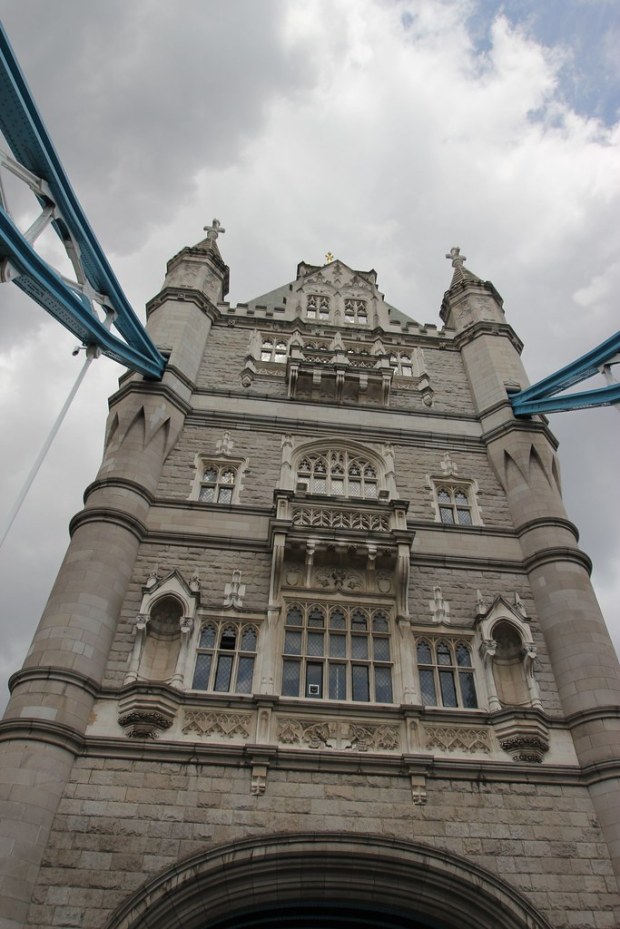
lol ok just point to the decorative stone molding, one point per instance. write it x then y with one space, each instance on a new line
508 654
457 739
234 592
145 716
339 736
418 789
224 725
440 608
144 724
311 517
373 738
529 748
313 734
525 738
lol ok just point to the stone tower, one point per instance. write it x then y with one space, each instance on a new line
323 647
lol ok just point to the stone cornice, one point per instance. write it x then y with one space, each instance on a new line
185 295
105 514
478 329
546 522
103 483
61 736
57 674
559 553
152 388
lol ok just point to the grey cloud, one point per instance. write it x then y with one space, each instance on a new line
140 96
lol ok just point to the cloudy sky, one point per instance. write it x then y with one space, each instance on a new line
385 131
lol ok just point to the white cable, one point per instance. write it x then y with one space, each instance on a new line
91 353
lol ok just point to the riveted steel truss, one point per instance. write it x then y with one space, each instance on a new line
94 302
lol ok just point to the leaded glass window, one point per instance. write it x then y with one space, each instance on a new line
454 505
218 482
338 473
273 351
317 307
355 312
402 365
225 658
337 653
446 673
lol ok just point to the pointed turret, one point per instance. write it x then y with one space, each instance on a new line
469 299
180 316
201 267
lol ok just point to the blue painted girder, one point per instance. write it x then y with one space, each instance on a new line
25 132
542 397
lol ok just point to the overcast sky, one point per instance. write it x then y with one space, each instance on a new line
385 132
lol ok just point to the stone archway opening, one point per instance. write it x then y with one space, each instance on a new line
324 881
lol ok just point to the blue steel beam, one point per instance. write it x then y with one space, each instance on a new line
45 286
542 396
25 132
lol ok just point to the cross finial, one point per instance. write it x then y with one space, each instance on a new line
457 258
214 229
329 258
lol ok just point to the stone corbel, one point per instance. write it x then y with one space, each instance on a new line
145 716
259 763
525 739
417 770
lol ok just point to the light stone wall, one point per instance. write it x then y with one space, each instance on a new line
123 821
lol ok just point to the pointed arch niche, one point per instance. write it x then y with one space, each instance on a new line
508 654
162 631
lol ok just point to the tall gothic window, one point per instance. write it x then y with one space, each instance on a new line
317 307
355 312
339 473
273 351
225 658
454 504
337 653
446 673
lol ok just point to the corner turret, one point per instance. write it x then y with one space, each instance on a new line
201 267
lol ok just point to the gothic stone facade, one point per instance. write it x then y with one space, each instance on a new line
323 637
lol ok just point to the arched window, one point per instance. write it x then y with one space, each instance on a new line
225 658
355 312
217 483
339 473
454 504
317 307
274 351
337 653
446 673
402 364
